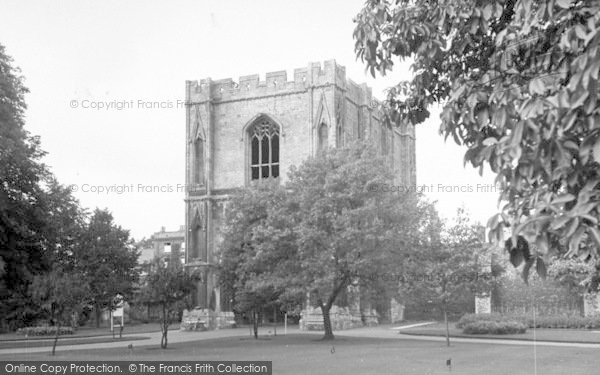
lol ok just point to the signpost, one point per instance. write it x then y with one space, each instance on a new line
116 313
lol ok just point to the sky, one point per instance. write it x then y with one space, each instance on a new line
107 84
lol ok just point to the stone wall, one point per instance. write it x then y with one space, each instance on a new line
206 319
341 318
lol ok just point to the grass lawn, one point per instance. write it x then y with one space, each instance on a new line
541 334
93 332
65 340
304 354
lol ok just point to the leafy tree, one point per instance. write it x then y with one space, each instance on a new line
21 250
349 229
107 260
42 226
577 276
250 253
448 266
334 227
330 227
254 298
64 225
518 81
61 294
166 286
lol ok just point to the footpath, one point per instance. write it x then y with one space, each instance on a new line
381 332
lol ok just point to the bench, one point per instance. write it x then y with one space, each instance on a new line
312 322
193 321
195 324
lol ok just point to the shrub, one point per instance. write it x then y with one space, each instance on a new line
504 327
491 324
473 318
45 331
564 321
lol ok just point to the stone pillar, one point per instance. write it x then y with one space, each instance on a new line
217 299
201 294
483 300
354 300
483 305
396 311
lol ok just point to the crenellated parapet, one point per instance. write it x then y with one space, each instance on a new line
315 75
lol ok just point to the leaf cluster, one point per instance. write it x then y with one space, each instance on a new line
518 81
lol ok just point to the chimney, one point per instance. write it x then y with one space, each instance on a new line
162 229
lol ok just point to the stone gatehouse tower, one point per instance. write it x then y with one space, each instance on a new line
248 130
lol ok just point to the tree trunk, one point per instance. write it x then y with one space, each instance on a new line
327 322
164 328
446 322
56 337
274 321
255 323
98 313
163 340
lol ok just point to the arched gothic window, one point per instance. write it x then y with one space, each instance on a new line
198 241
323 137
384 141
264 149
199 161
340 136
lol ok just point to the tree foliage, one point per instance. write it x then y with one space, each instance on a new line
166 286
62 294
21 171
450 264
250 254
348 230
577 276
42 226
518 81
107 260
64 225
329 228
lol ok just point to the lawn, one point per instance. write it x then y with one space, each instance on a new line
83 335
94 332
540 334
65 340
304 354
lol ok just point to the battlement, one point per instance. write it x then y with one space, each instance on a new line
249 86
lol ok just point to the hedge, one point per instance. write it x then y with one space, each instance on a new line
473 318
564 321
496 328
45 331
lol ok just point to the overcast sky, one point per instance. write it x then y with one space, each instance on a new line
75 54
